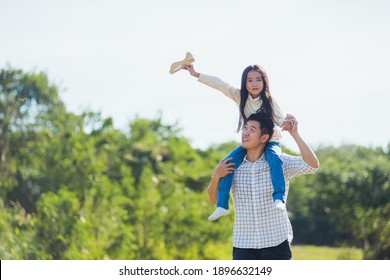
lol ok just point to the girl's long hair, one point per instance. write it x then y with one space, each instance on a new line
265 95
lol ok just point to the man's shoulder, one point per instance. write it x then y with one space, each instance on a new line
296 164
290 160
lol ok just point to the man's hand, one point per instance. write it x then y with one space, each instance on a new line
290 124
224 168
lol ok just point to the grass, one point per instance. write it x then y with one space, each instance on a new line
299 252
308 252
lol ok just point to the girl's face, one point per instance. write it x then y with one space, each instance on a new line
254 83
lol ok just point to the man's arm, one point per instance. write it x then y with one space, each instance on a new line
224 168
306 152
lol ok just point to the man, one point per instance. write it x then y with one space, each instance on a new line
260 231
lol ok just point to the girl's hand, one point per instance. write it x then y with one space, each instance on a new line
190 68
224 168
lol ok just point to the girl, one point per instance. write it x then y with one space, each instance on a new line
254 96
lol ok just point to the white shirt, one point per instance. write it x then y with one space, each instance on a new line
257 223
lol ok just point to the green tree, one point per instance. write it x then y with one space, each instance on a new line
16 233
347 201
56 218
24 99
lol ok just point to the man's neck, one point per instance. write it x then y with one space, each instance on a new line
253 155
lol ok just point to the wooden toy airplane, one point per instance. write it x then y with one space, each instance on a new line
176 66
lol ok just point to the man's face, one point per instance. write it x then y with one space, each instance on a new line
251 135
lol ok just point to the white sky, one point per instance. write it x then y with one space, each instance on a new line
328 61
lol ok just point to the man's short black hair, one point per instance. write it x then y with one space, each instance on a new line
266 123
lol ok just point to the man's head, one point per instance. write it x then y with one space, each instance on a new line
257 131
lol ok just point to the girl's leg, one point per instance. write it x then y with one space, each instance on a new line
272 154
225 184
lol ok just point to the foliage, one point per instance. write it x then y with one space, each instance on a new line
347 201
74 187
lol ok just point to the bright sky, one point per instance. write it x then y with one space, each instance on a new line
328 61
